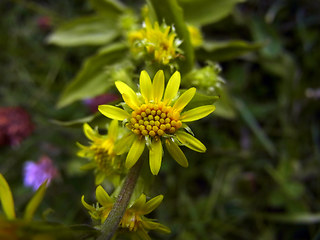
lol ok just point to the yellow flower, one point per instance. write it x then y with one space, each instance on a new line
195 36
133 220
157 115
102 154
156 41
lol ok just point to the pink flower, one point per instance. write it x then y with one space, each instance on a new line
93 103
35 173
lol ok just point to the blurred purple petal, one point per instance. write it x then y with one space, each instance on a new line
93 103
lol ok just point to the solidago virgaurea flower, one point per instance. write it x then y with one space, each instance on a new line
102 154
156 116
133 222
155 40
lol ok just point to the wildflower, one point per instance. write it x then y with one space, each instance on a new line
157 115
15 125
102 154
36 173
156 41
195 36
133 221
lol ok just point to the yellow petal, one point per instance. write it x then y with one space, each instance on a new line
155 157
139 203
184 99
135 152
152 204
124 143
197 113
88 131
191 142
146 86
103 197
158 86
176 153
113 112
113 130
6 199
172 87
86 205
150 225
131 98
35 201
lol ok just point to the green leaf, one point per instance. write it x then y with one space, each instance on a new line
93 78
91 30
297 218
254 126
225 106
35 201
200 99
108 7
172 13
202 12
6 198
225 50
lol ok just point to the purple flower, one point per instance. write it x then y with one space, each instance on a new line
35 173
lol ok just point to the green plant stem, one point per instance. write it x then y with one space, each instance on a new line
111 224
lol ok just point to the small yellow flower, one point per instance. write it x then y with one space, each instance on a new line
156 41
133 220
102 154
157 115
195 36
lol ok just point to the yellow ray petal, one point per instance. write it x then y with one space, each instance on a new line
103 197
113 112
86 205
139 203
113 130
35 201
88 131
191 142
6 199
184 99
135 152
172 87
158 86
146 86
131 97
155 157
152 204
197 113
176 153
124 143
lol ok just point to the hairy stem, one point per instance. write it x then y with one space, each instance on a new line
111 224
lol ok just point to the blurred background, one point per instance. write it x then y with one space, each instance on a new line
259 178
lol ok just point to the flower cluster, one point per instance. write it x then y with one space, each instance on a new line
133 221
156 116
102 154
158 41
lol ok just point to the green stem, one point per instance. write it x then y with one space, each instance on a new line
111 224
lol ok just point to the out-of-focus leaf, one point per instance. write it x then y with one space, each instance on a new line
173 15
225 106
302 218
108 7
200 99
92 30
93 78
35 201
6 198
254 126
202 12
225 50
76 122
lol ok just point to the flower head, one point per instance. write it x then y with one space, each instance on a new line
102 154
35 173
133 221
156 41
155 116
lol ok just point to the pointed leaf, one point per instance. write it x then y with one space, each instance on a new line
35 201
6 198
